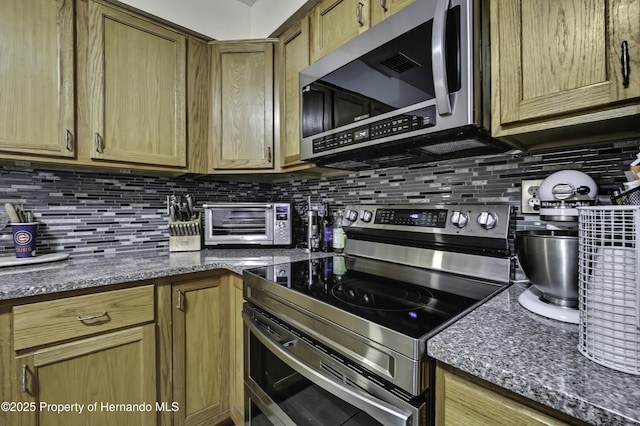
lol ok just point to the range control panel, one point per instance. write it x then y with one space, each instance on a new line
482 220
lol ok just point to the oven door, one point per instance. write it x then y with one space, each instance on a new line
291 380
244 223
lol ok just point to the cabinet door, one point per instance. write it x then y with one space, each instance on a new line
562 57
200 350
382 9
137 89
243 106
102 371
237 349
37 84
462 402
336 22
294 54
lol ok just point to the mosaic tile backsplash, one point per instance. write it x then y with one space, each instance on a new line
85 213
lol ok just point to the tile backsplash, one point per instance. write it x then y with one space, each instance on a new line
86 213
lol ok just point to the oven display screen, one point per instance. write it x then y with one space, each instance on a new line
427 218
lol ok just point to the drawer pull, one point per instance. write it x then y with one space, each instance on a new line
92 316
23 382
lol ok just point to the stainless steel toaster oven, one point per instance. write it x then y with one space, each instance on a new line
238 224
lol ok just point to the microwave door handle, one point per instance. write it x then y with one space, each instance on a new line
438 58
380 410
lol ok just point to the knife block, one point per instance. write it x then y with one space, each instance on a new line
185 236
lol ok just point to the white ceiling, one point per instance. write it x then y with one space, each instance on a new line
223 19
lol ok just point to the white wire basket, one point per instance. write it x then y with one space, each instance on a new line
609 286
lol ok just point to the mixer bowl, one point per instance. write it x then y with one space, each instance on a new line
549 259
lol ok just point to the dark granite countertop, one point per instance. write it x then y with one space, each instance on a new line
499 342
538 358
88 272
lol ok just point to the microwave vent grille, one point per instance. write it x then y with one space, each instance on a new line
399 63
448 147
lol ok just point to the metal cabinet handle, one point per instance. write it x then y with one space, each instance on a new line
269 154
624 60
92 316
180 302
99 143
383 5
359 7
23 381
69 140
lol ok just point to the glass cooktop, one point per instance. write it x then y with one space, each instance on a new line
411 301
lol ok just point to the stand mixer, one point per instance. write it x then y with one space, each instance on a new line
549 256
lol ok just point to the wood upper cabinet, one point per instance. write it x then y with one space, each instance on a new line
462 401
200 325
243 106
334 22
137 84
382 9
294 56
558 64
37 84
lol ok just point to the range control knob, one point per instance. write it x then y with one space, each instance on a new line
366 216
459 219
487 220
351 215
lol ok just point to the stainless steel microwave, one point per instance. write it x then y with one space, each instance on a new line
241 224
412 89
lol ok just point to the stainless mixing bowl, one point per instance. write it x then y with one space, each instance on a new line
549 259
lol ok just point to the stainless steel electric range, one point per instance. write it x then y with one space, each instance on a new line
342 340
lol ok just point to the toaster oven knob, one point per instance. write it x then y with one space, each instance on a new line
459 219
366 216
487 220
351 215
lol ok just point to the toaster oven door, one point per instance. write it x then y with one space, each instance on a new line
231 224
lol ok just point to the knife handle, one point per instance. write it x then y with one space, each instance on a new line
13 214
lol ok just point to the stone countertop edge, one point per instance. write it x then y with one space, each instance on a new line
504 344
84 272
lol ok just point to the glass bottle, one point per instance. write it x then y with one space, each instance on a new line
339 237
327 230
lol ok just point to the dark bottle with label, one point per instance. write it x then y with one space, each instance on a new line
327 230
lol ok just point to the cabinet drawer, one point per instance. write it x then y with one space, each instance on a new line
46 322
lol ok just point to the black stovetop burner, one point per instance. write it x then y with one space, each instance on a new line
413 309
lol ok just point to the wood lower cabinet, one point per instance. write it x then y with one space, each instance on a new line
236 343
556 70
200 349
37 85
462 400
103 375
242 129
95 352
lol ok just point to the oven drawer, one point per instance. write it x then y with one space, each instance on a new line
42 323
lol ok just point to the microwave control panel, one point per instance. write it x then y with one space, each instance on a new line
402 123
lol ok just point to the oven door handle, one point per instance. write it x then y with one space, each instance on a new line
380 410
